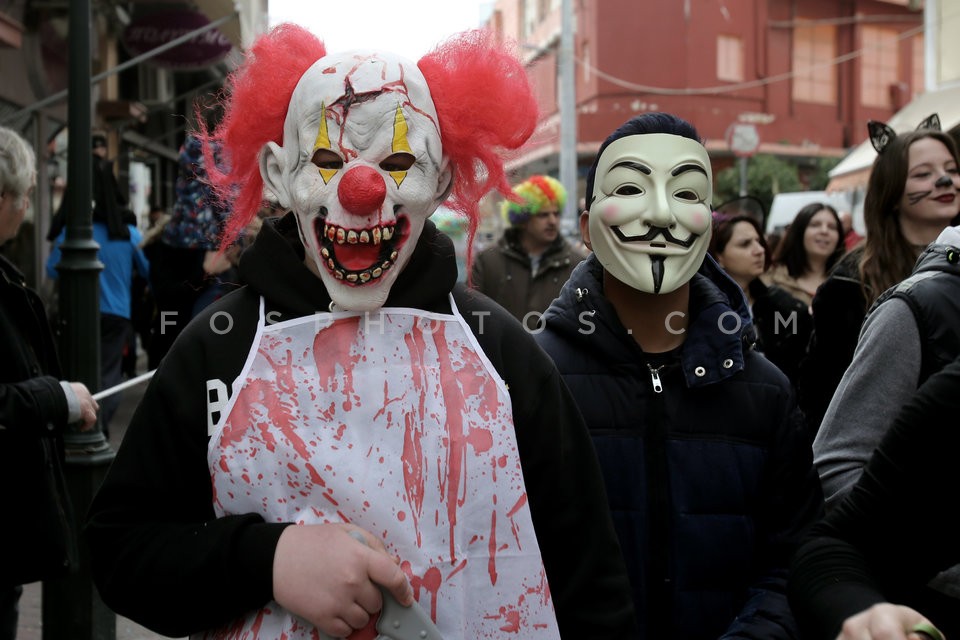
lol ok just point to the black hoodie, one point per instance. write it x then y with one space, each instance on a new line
161 558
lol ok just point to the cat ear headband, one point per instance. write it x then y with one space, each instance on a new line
881 134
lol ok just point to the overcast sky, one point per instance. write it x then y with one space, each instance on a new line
408 28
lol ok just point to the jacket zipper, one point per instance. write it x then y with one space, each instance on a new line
655 376
659 596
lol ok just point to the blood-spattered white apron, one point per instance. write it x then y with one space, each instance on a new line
395 421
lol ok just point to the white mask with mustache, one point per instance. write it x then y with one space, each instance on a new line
650 219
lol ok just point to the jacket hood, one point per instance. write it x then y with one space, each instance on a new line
719 327
950 235
943 255
728 288
274 268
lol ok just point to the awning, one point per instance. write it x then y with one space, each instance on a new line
854 170
850 181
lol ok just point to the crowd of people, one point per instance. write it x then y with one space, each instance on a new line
664 430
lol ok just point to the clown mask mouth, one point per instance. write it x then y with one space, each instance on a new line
359 256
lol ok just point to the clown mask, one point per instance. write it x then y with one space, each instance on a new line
362 168
649 221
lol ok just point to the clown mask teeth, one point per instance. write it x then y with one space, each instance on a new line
364 236
359 256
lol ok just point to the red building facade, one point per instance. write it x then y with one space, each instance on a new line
808 74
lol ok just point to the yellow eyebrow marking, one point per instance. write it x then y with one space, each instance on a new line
400 142
400 132
323 139
323 142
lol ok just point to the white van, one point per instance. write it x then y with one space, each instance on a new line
786 206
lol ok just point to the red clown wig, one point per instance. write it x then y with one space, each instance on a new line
482 95
259 94
486 109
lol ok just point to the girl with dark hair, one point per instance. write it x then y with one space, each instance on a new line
908 203
812 245
901 216
740 249
782 321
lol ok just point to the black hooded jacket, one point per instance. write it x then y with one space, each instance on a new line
707 464
160 557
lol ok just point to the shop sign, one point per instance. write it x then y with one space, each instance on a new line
150 31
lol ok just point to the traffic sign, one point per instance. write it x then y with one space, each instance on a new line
743 138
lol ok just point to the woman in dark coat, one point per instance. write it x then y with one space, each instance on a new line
782 322
35 407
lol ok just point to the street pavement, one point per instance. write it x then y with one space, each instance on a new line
30 626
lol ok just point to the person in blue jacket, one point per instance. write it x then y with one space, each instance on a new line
121 256
706 461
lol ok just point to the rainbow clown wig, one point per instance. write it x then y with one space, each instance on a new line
471 76
536 194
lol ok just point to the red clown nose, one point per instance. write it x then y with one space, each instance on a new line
361 191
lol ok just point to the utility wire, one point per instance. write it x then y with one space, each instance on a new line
728 88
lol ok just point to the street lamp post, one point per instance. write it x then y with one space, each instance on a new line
72 609
567 105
